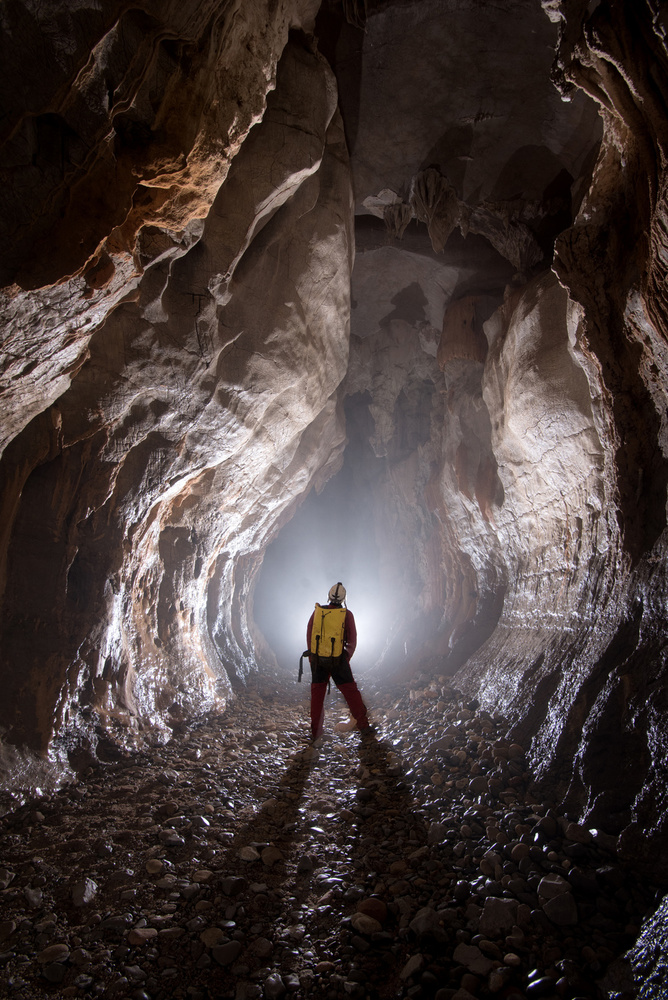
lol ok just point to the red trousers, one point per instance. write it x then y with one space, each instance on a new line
353 698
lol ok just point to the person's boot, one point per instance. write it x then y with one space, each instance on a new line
357 707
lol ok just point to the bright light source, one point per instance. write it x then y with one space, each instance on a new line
327 540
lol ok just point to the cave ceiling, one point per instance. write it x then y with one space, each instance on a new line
427 97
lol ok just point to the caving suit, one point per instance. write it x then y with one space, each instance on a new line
338 668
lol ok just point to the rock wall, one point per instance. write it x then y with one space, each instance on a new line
575 389
118 135
527 525
147 475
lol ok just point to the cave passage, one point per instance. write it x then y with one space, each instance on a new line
331 537
299 292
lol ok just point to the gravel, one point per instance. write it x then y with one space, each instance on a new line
238 861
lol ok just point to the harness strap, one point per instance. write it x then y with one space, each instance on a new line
301 665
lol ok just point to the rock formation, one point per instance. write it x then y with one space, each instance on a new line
185 189
203 392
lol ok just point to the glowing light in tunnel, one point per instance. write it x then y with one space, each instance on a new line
327 540
335 535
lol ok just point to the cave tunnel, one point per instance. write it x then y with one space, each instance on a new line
299 292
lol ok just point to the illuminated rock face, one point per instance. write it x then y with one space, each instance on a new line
528 525
117 142
545 475
136 503
178 184
591 599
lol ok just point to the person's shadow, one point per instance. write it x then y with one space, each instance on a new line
249 884
278 891
388 832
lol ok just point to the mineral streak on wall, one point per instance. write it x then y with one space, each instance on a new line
227 224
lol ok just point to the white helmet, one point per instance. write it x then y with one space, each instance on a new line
337 593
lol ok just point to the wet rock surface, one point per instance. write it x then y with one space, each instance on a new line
238 861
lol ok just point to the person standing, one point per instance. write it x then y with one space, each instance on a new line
331 637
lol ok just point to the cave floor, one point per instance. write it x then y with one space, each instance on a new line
237 861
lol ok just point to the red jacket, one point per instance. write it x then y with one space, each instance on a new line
349 632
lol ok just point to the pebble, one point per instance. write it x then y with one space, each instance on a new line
225 954
519 851
233 885
420 858
551 886
426 924
84 892
412 966
140 936
202 876
6 877
54 953
561 910
117 922
542 987
166 882
365 924
262 947
270 855
375 908
498 917
7 928
54 972
274 986
212 936
472 957
170 838
33 897
577 834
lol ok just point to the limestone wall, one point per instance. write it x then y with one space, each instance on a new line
146 476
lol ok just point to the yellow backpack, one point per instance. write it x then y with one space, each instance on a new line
327 633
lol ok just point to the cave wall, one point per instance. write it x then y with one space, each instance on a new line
526 529
121 125
471 181
145 478
579 657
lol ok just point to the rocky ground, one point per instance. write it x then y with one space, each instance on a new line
239 862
